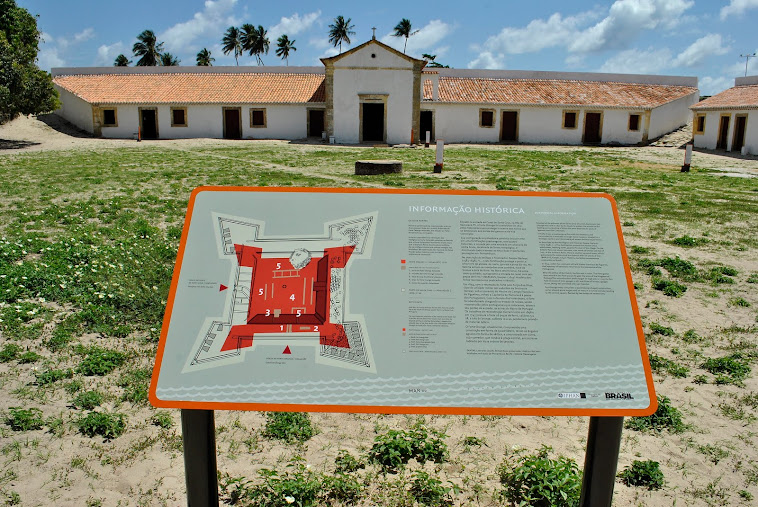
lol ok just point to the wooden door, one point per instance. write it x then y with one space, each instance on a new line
232 123
592 130
723 139
509 126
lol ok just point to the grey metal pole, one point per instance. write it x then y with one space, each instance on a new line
199 438
601 461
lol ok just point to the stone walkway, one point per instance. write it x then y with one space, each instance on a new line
675 139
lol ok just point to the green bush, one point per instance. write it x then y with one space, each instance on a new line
162 419
135 383
643 473
51 376
100 362
537 480
342 488
24 419
88 400
661 330
428 490
9 352
731 369
679 268
669 287
297 484
29 357
106 424
289 426
688 241
397 447
666 417
346 463
661 364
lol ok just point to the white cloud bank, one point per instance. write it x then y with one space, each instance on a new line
212 21
737 7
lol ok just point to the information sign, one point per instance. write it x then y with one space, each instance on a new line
402 301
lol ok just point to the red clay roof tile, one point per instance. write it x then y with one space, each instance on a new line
555 92
739 97
195 88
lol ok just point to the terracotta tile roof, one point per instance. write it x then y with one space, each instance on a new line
187 88
739 97
555 92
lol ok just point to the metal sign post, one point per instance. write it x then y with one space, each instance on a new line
200 471
601 461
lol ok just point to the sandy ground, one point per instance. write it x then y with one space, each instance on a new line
145 466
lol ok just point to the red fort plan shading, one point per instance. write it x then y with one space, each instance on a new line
288 292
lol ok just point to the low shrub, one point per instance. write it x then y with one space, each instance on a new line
396 448
661 330
100 362
289 426
88 400
51 376
688 241
24 419
9 352
643 473
669 287
106 424
537 480
731 369
662 365
666 417
428 490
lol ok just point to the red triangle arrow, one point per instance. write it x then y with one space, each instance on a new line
222 287
287 350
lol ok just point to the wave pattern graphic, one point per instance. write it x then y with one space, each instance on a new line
527 388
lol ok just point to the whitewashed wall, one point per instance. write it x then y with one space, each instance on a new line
709 138
458 123
75 110
282 122
671 116
359 73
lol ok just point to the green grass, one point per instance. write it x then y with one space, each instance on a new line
88 241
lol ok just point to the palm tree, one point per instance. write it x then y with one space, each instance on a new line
204 58
148 48
254 40
283 47
403 29
169 60
432 63
121 61
231 42
340 31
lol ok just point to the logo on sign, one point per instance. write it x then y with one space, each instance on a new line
619 396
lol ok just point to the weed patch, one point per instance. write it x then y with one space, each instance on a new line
289 426
646 473
666 417
51 376
687 241
106 424
100 362
396 448
731 369
536 479
669 287
88 400
428 490
24 419
661 365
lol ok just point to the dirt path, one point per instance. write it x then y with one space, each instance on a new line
50 132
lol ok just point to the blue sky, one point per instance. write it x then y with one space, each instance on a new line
702 38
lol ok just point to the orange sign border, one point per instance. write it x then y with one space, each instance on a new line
377 409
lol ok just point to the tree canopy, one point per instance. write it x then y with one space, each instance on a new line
148 49
204 58
404 29
24 88
254 40
283 47
121 61
232 42
340 31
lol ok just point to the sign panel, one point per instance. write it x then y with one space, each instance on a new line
402 301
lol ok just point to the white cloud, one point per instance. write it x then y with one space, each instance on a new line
423 40
106 54
211 22
84 35
635 61
708 45
737 7
713 85
625 22
292 25
537 35
487 60
48 56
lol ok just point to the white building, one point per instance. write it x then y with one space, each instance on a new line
729 120
374 94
